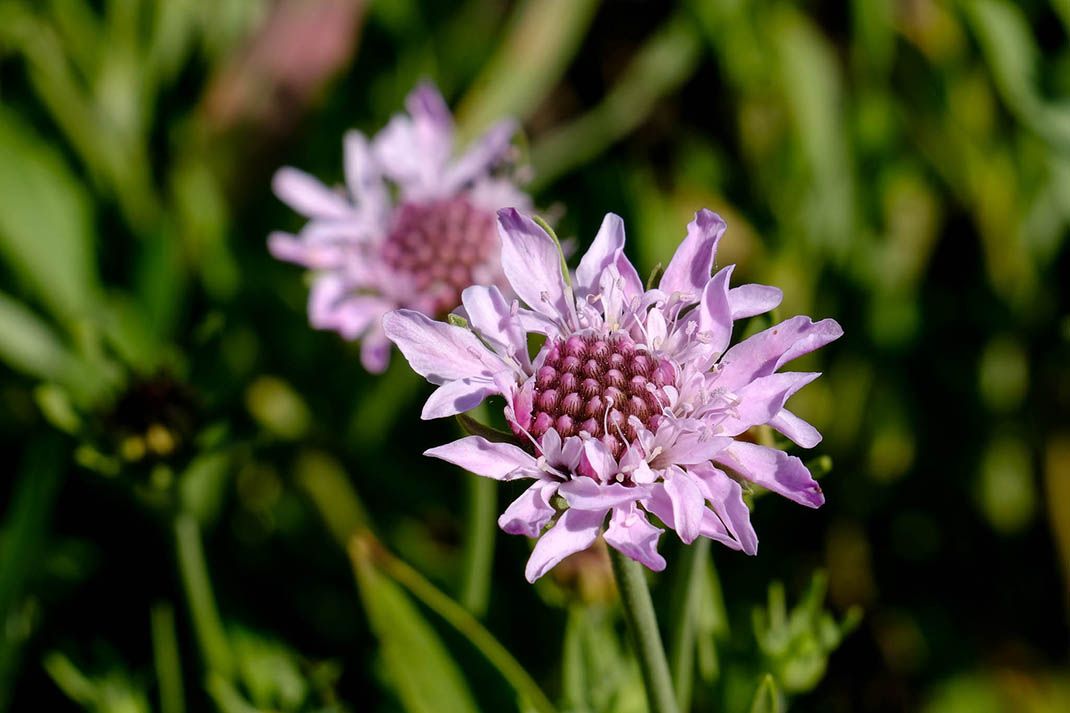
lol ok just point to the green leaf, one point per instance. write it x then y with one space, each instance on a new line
1012 53
45 222
29 344
766 697
421 671
543 35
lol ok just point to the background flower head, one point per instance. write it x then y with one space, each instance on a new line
634 405
412 227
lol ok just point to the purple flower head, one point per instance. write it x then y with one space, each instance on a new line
634 405
412 227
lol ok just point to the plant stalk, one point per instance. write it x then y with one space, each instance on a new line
642 622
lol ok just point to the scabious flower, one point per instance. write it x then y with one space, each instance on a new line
635 404
412 227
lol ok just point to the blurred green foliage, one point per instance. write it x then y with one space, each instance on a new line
187 454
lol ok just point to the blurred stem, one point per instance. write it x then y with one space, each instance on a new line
479 541
689 588
166 658
194 571
661 65
642 622
479 545
25 530
364 546
541 38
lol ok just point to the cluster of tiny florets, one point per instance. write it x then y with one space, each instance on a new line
597 384
442 246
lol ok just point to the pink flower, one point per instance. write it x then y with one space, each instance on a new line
374 249
634 405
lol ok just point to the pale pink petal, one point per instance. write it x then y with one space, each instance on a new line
607 249
774 470
798 430
630 533
438 351
491 316
333 306
766 351
576 530
501 461
375 350
749 300
456 397
691 266
529 513
363 177
687 504
306 195
715 313
532 264
425 104
762 399
691 447
726 498
484 153
586 494
600 459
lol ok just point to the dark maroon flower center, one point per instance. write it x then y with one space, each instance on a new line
596 384
440 246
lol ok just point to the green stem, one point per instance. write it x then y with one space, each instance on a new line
689 571
457 617
209 628
479 546
639 611
166 658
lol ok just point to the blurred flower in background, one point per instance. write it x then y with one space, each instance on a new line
414 243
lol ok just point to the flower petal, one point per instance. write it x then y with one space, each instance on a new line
726 498
532 264
500 461
607 249
766 351
438 351
375 350
486 151
363 177
576 530
690 268
687 504
631 533
529 513
600 459
332 306
774 470
586 494
456 397
749 300
307 195
715 313
798 430
491 316
762 399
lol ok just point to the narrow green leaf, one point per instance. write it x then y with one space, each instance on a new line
45 226
541 39
424 676
661 65
766 697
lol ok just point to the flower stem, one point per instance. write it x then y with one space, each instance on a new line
194 570
639 611
685 607
479 546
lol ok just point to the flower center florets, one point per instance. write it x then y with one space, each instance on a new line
602 385
441 246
